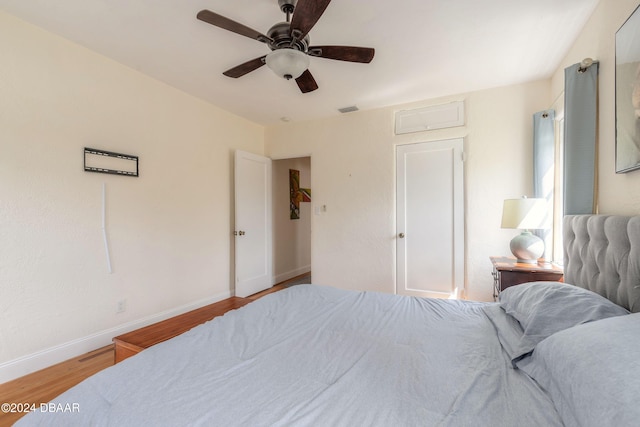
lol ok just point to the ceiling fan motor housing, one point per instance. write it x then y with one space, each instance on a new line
280 33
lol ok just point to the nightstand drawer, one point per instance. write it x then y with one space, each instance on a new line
507 272
510 278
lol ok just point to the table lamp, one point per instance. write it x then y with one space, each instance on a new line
526 214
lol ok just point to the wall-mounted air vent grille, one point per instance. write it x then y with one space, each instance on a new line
430 118
348 109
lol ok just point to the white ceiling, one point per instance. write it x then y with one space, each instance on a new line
424 48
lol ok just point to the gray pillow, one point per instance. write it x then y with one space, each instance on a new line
591 372
544 308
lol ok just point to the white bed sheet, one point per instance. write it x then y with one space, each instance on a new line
314 355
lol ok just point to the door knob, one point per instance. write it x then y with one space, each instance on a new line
242 233
401 235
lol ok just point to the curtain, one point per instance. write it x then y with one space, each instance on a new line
544 169
580 110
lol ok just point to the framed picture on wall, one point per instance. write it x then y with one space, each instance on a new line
628 95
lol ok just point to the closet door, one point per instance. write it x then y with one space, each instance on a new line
430 219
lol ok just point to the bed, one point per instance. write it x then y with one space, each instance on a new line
545 354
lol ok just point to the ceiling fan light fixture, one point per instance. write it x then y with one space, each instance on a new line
287 63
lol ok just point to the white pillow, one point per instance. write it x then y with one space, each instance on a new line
544 308
591 372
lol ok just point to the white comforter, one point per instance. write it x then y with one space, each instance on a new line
319 356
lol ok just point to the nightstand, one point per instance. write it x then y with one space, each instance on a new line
507 272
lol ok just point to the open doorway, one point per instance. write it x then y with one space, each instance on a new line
291 221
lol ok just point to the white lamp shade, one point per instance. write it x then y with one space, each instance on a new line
525 214
287 63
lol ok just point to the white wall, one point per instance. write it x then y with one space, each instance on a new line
618 193
291 237
353 243
169 229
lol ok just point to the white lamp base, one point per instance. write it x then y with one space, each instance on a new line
527 248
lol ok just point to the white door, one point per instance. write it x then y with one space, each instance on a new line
430 219
253 228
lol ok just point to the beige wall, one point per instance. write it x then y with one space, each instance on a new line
353 167
169 229
618 193
291 238
353 174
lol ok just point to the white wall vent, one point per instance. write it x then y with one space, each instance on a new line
429 118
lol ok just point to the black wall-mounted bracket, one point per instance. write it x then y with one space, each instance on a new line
103 161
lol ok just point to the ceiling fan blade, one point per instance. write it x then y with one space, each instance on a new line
306 82
343 53
230 25
305 16
245 68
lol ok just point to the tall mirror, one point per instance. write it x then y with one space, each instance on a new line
628 95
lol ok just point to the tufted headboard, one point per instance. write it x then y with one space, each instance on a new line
602 253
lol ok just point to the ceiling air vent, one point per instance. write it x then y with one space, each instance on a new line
348 109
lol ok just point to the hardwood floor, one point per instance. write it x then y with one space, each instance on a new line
44 385
303 278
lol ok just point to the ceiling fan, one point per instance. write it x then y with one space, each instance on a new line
289 43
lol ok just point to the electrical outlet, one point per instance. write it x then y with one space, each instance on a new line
122 306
